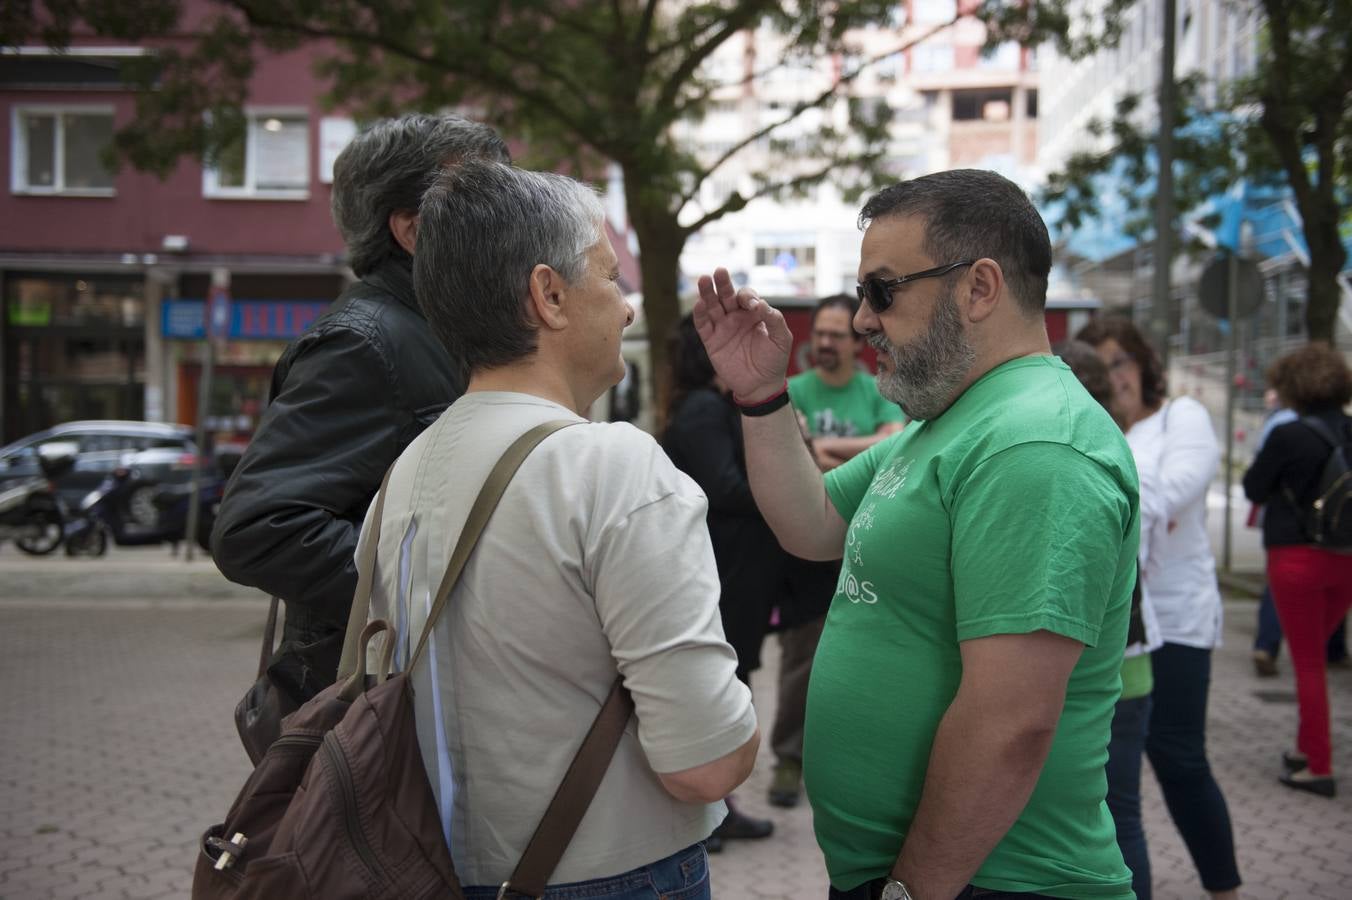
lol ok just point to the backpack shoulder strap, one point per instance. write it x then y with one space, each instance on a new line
575 792
1321 428
574 795
361 597
584 775
479 514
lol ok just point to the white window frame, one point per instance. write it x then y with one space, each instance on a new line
18 149
211 186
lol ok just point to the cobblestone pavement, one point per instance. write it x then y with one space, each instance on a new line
119 749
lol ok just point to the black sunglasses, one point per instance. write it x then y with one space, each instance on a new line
877 292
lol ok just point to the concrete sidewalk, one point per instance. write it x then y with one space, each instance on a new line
157 573
1289 845
125 573
123 672
120 749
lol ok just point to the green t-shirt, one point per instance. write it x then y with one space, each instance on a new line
853 410
1015 511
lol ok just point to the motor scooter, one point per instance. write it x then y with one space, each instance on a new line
31 512
134 511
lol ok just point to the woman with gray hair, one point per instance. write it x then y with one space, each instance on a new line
596 564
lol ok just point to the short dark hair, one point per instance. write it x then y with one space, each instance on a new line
483 228
1313 378
970 214
838 301
387 167
1154 384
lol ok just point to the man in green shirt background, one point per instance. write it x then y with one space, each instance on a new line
959 708
844 416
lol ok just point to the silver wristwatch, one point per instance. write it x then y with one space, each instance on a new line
895 890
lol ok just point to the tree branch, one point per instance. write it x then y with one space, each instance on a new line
485 77
1275 95
817 102
733 22
736 201
645 28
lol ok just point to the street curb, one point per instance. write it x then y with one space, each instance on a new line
103 579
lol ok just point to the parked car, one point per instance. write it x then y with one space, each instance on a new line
160 453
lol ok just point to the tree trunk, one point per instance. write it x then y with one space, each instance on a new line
1327 256
660 241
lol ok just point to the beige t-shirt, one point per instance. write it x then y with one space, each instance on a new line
596 561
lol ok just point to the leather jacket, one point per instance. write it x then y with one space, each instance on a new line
348 396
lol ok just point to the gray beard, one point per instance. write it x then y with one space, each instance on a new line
928 372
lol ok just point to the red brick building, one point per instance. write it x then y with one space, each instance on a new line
103 274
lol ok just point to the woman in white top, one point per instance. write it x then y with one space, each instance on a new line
1174 440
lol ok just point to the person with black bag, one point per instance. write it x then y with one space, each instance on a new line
347 397
1302 476
597 564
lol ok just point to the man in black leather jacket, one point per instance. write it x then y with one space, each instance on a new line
347 396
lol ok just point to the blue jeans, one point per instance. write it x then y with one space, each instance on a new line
1176 747
1269 636
1131 719
681 876
870 890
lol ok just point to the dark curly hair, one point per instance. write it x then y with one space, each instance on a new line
1154 386
1312 379
688 364
1091 371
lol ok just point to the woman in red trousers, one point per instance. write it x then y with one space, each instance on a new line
1311 584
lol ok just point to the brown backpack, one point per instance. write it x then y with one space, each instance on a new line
340 805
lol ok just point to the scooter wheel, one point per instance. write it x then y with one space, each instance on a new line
50 532
93 542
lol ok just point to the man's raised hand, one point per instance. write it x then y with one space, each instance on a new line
747 340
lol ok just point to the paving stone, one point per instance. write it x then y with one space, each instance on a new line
119 817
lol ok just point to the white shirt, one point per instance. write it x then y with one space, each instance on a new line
597 561
1177 449
1152 514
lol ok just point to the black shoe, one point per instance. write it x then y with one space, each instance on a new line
1323 785
740 827
1293 763
1264 664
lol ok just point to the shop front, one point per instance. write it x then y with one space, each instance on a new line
74 347
258 332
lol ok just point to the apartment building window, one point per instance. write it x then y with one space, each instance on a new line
932 12
1006 56
928 57
58 150
977 105
270 162
786 257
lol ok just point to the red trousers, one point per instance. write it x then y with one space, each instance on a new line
1312 589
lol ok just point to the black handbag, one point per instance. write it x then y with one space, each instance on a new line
287 678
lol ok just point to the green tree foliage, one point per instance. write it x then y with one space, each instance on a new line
579 83
1289 121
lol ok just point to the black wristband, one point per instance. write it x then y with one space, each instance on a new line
765 407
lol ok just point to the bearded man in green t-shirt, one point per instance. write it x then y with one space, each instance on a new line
844 415
959 708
